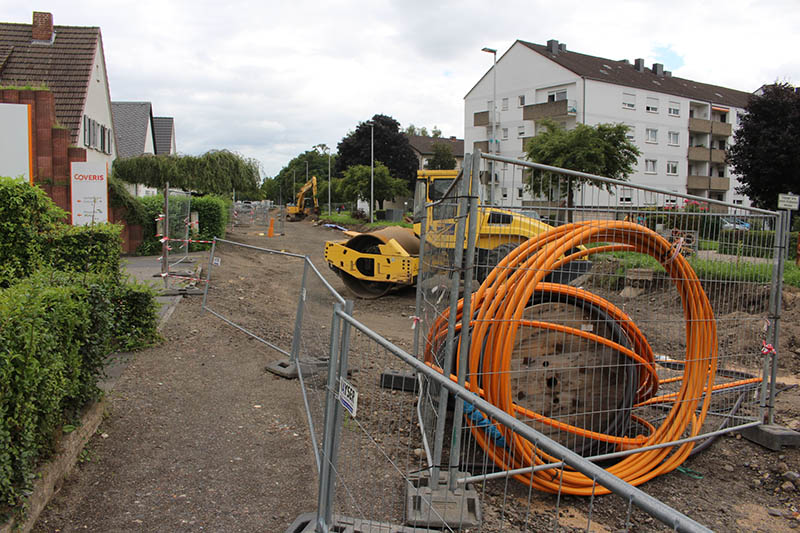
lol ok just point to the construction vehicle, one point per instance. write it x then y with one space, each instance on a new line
306 204
372 264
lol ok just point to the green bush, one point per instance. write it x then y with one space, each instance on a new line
25 212
212 212
753 243
94 249
58 329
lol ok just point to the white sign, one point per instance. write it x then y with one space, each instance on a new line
16 150
788 201
348 395
89 192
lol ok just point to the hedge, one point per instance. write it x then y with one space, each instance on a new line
25 212
753 243
94 249
58 328
212 212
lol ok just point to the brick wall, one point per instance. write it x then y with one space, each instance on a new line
52 156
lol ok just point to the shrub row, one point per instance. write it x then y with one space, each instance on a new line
753 243
212 212
58 328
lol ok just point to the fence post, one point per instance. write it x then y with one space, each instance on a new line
165 236
782 245
470 171
458 257
423 230
330 443
208 274
298 322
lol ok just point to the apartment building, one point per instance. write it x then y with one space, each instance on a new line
682 127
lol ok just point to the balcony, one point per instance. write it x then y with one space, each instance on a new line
559 109
483 146
708 183
701 125
701 153
481 118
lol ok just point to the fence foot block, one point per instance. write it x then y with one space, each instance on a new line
439 506
306 523
399 380
772 436
289 369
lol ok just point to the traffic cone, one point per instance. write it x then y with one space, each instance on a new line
271 231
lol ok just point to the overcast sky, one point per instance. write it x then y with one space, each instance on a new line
272 79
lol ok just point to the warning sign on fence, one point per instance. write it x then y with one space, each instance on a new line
89 192
348 396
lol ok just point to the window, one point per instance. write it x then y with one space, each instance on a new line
674 138
557 96
721 144
652 105
505 133
505 104
505 192
520 131
672 168
674 109
737 202
519 192
721 172
626 195
649 166
631 134
651 135
628 101
521 100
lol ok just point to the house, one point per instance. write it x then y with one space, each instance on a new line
164 130
70 62
682 127
423 148
135 136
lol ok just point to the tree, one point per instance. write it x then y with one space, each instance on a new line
295 173
391 147
423 131
442 157
216 171
764 153
356 184
602 149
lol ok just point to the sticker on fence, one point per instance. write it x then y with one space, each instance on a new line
217 261
348 395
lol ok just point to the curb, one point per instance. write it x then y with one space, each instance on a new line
51 475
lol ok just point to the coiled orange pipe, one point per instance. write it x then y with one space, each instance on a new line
498 307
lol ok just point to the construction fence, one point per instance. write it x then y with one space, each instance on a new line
601 323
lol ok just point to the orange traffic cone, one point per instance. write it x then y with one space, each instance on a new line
271 231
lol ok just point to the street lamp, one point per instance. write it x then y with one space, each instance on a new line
493 118
327 149
371 169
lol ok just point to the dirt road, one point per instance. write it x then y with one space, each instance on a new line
200 438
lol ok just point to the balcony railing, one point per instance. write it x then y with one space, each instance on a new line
701 125
561 108
701 153
708 183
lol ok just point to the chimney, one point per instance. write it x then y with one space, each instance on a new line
562 47
638 64
452 137
668 73
42 26
658 69
552 47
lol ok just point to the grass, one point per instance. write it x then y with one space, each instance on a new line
708 269
42 87
706 244
344 219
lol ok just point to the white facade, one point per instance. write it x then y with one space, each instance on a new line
96 127
660 125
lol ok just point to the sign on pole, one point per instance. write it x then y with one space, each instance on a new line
788 201
89 192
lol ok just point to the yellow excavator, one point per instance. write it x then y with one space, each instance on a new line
372 264
306 204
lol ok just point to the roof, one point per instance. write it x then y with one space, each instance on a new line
625 73
163 127
65 66
424 145
131 121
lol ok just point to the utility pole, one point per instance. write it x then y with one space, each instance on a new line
493 118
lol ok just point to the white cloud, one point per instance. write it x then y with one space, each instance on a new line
271 80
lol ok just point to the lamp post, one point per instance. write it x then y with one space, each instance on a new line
371 169
329 179
493 118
